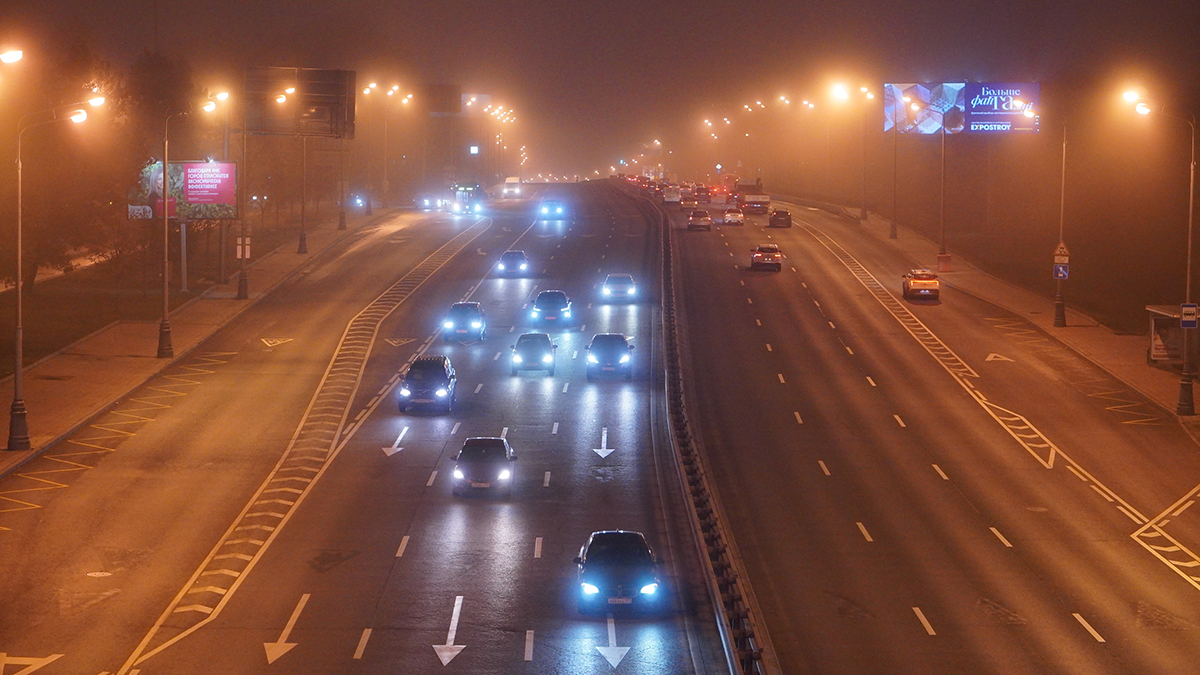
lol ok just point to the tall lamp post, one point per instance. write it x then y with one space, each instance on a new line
943 256
165 349
1186 405
18 425
1060 309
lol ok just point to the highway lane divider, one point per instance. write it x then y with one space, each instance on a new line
744 636
316 442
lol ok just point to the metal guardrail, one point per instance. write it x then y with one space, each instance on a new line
746 643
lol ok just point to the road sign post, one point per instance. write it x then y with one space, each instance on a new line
1062 269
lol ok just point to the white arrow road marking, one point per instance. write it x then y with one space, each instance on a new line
612 653
395 447
275 342
33 663
396 342
448 651
282 646
998 357
603 450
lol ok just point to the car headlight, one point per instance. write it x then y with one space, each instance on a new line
516 358
458 474
625 359
442 392
405 391
607 291
559 210
504 475
524 266
536 311
649 589
501 266
476 324
630 291
566 312
545 210
478 208
548 358
588 589
592 358
448 324
426 202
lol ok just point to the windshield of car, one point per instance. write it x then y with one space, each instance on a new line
619 548
924 276
426 370
550 299
483 450
464 311
609 341
768 249
618 280
533 341
513 256
733 212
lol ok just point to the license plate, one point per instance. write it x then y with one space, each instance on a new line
551 318
608 368
461 330
480 485
620 601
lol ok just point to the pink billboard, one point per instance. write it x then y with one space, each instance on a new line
198 191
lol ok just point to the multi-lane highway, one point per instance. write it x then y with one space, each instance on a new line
930 487
265 507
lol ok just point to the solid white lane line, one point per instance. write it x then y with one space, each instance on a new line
849 351
769 347
871 381
899 421
504 432
432 476
546 480
824 468
554 429
1000 537
528 645
924 621
940 472
537 548
863 528
780 376
565 386
362 643
496 357
403 545
478 387
799 420
1088 626
454 430
1078 475
1101 492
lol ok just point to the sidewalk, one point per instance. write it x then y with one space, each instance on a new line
1122 356
65 390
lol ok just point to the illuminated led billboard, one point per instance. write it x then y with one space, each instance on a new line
970 107
198 191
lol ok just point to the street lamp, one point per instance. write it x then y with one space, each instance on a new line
1186 405
840 92
18 425
11 56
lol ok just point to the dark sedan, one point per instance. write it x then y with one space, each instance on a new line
618 569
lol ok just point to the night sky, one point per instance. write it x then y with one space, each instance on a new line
589 80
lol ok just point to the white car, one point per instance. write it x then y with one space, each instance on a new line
733 217
618 287
766 255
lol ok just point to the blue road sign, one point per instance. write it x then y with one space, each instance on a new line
1061 271
1187 315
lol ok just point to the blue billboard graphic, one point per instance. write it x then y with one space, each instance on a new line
1000 108
924 108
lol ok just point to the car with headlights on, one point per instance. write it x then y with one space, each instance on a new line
618 569
513 264
617 287
429 381
551 307
700 220
780 218
533 351
766 255
920 283
733 217
551 209
609 353
464 320
484 463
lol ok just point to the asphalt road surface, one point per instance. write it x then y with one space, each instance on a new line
933 486
264 506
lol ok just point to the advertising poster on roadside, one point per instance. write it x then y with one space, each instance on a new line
198 191
993 108
914 108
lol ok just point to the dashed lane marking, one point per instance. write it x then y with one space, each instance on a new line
824 469
941 473
1083 622
863 528
1000 537
924 622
